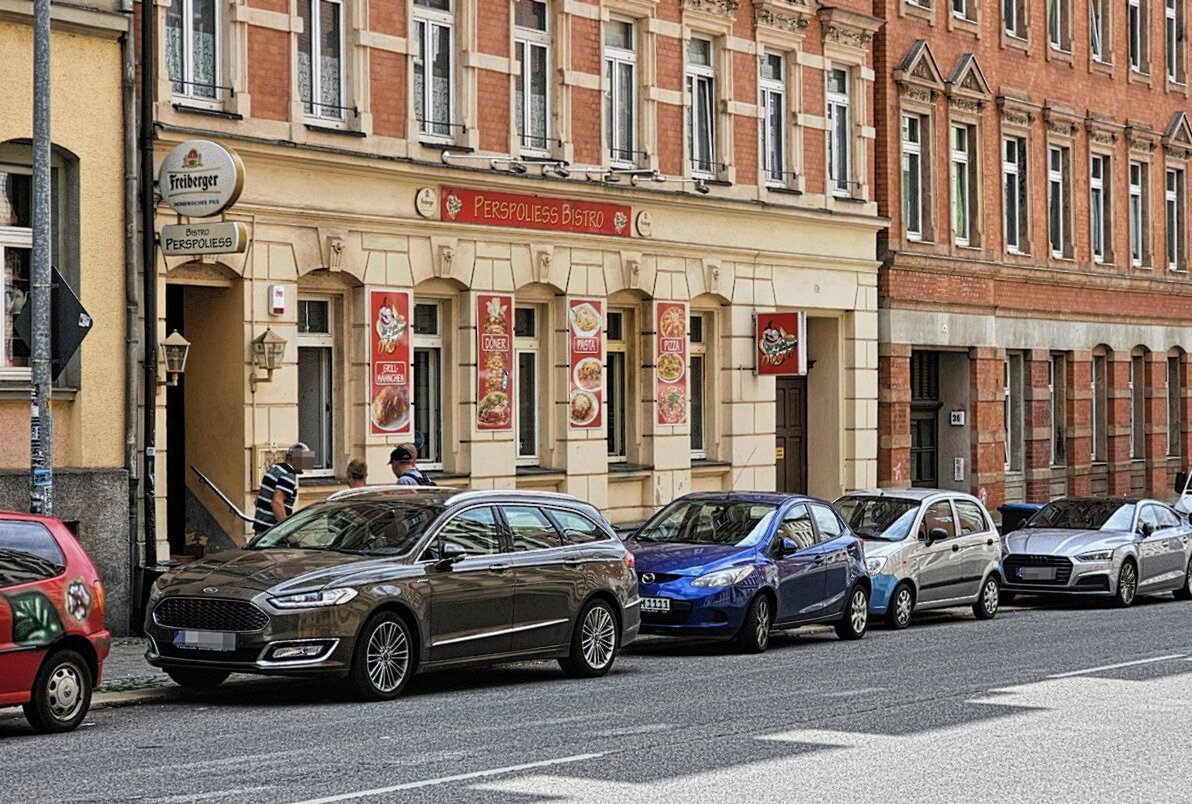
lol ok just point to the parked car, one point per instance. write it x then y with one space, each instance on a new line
378 584
733 564
52 638
1101 547
926 549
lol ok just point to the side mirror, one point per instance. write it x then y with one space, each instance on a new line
789 547
1146 528
452 554
936 535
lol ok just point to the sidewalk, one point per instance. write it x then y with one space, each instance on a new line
126 668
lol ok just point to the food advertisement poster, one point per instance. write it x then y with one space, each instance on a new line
585 336
670 361
389 381
780 338
494 356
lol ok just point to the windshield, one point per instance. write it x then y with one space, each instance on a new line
368 528
883 518
1084 515
709 522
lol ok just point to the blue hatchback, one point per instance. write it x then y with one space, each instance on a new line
738 564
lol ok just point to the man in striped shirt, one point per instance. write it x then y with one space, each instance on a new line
279 487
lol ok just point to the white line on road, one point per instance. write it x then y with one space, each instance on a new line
460 777
238 793
852 693
1091 670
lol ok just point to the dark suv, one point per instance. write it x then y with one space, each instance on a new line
379 584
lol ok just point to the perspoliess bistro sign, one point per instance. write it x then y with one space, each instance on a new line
200 178
534 212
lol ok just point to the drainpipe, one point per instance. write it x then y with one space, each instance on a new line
148 278
128 101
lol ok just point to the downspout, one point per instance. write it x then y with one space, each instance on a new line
128 99
148 279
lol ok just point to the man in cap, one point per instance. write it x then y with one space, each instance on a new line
279 487
403 461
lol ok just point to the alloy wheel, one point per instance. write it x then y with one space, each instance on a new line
1127 584
65 692
859 611
599 639
991 597
388 656
903 606
763 621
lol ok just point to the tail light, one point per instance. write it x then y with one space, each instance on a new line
629 560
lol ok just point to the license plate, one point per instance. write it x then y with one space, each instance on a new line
655 604
204 640
1037 573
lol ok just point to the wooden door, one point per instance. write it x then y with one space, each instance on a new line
790 452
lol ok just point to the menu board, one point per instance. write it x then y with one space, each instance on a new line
389 384
779 340
670 361
494 362
585 336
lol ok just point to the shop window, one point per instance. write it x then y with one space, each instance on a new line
1099 24
1173 35
620 92
840 138
192 50
1138 407
773 110
914 205
701 108
1059 24
1100 412
618 325
1173 202
1139 225
320 59
527 351
1136 35
964 184
1012 408
316 381
434 68
1014 201
1100 215
1059 194
1014 17
1175 393
532 52
428 383
698 379
1057 389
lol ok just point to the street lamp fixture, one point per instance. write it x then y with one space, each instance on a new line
174 350
268 352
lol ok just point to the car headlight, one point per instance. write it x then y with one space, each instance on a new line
874 565
1096 555
310 600
724 577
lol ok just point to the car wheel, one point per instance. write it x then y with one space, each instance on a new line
197 679
987 602
1127 585
856 615
754 634
1185 591
61 693
902 605
383 659
593 643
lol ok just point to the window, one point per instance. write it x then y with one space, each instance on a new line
701 108
475 531
1138 407
1057 388
618 383
826 522
1100 225
525 344
532 52
839 135
28 552
433 80
1057 201
969 519
1012 408
320 58
1173 201
965 9
963 184
798 528
578 529
1175 393
620 93
1057 24
531 529
698 358
912 175
1014 200
192 49
1138 222
1173 34
16 258
1014 18
1100 412
428 384
316 385
773 108
938 515
1098 22
1136 35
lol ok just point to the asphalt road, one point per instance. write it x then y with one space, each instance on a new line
1064 701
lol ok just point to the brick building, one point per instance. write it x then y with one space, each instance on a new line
1033 159
728 143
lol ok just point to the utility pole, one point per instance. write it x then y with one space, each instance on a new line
41 425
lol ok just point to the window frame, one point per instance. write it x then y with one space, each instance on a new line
420 48
1173 35
1175 394
620 347
839 172
1059 24
770 89
615 59
1012 411
436 342
1137 388
1100 207
1019 170
1099 418
699 350
1175 228
533 345
525 39
1057 402
912 149
1099 22
186 94
1137 213
695 75
1136 23
313 115
1058 201
961 168
325 341
1014 24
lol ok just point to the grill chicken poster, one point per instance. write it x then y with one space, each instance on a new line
670 361
494 362
779 340
389 362
585 336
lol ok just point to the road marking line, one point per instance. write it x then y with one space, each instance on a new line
851 693
460 777
238 792
1119 665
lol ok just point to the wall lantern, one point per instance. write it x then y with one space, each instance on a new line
268 352
174 350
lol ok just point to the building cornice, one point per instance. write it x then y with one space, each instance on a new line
70 19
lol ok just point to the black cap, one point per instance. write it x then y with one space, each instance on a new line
400 455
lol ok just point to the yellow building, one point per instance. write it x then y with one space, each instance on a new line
91 481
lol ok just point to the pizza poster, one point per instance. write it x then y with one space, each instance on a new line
389 381
585 337
779 344
494 362
670 361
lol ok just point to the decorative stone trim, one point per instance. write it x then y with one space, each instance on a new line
1101 132
726 7
848 29
1016 113
1177 139
1141 137
918 76
1061 121
787 16
967 88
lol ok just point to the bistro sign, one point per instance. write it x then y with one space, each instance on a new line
534 212
200 178
228 237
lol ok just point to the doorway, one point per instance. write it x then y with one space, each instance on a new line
176 432
925 413
790 454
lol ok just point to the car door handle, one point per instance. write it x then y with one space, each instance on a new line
989 542
955 548
818 560
573 562
498 568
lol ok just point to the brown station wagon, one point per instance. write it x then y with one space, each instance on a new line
378 584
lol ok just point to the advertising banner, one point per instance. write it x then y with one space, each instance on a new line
389 382
494 362
780 339
585 338
670 361
534 212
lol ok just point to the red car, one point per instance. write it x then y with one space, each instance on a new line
52 638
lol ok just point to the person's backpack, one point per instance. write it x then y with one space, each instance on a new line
418 476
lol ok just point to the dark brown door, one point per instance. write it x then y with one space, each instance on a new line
790 454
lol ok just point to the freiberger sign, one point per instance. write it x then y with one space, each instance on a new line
534 212
200 178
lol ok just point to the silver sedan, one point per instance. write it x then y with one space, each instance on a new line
1110 547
